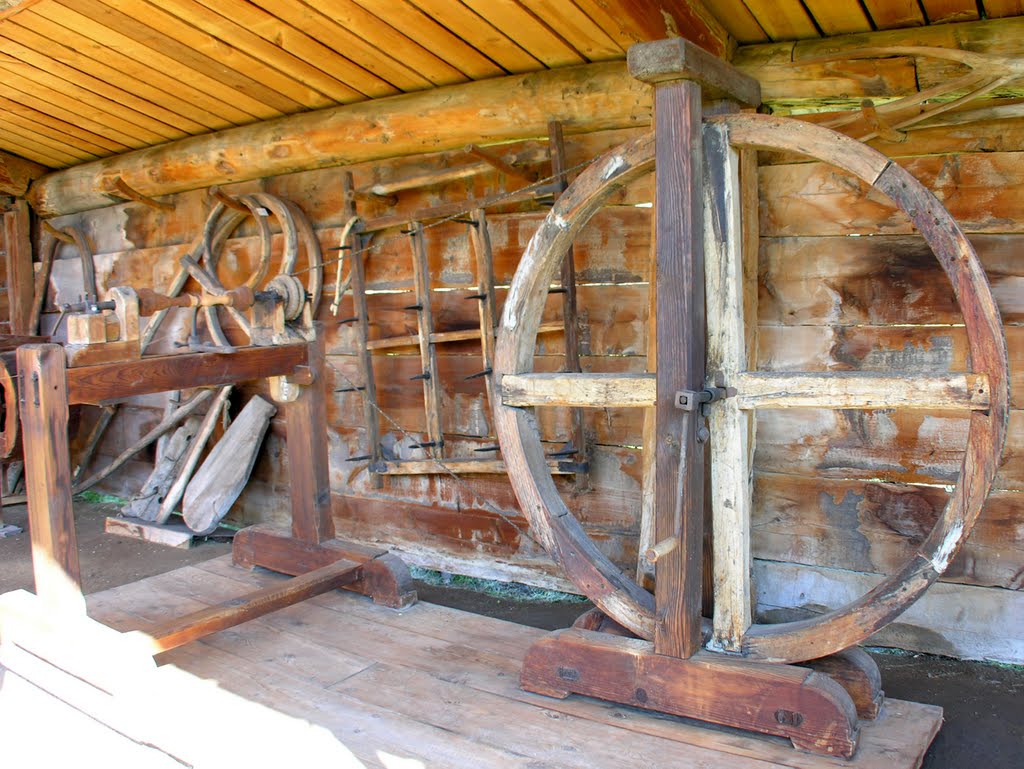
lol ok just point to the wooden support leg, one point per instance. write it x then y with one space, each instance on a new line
855 671
810 709
385 577
51 519
308 470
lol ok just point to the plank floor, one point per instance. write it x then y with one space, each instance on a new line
337 681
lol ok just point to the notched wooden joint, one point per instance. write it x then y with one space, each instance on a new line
663 61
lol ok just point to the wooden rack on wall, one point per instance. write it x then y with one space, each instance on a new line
570 460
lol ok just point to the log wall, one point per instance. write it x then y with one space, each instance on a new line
844 285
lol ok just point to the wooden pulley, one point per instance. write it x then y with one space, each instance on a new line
298 287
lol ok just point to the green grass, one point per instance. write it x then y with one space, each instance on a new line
514 591
102 499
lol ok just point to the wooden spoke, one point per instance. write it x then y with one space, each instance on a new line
730 429
586 390
861 390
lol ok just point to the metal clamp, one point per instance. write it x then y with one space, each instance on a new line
691 400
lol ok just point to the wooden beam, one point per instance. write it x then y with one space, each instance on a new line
679 279
96 384
18 257
309 482
457 465
584 390
16 173
182 630
861 390
588 98
730 490
51 520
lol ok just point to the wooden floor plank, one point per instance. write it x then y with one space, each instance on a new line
441 686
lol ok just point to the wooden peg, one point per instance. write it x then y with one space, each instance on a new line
119 188
879 126
661 549
216 193
60 235
499 164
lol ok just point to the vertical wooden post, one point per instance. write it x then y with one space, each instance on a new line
51 521
428 354
480 237
308 470
679 324
357 264
682 75
20 277
578 435
726 357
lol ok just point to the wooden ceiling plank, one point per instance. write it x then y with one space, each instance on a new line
122 119
737 20
276 31
532 34
320 26
997 9
140 64
8 144
10 126
891 14
102 144
197 46
142 96
944 11
783 19
319 89
480 34
16 141
434 37
577 28
181 61
60 105
16 173
634 21
381 34
839 17
168 125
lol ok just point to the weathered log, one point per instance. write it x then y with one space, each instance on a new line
585 98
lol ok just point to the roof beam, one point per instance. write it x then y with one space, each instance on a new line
586 98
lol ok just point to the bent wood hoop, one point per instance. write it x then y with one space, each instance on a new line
613 591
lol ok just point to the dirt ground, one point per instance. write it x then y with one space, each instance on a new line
983 703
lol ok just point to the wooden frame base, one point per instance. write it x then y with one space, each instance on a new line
384 577
807 707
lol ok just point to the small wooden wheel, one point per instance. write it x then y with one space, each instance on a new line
296 229
984 392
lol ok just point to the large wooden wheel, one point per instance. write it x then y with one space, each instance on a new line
984 392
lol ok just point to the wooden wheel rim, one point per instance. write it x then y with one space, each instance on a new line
561 534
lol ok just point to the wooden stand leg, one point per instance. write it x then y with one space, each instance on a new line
51 519
385 577
810 709
308 470
855 671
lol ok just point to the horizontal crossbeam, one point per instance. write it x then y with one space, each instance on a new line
761 389
860 390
